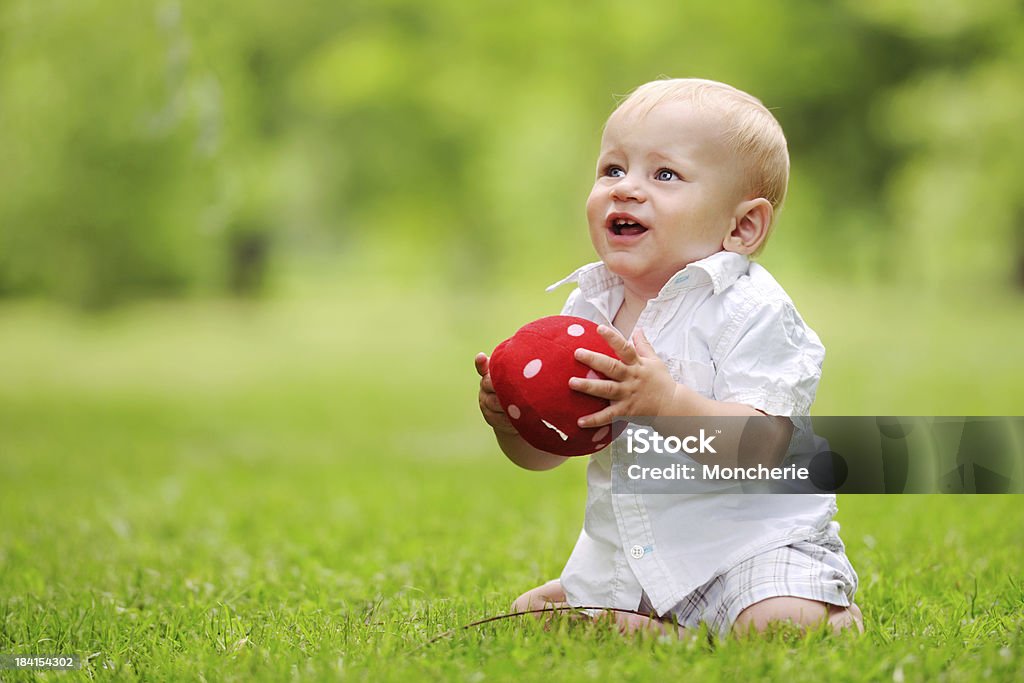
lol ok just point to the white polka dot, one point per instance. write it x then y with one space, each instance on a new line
575 330
601 433
532 368
513 411
592 374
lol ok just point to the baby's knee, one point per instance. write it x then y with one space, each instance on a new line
547 595
842 618
523 602
798 611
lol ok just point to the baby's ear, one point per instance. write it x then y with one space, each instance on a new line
750 226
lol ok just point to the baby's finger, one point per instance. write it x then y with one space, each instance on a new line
643 346
486 384
606 365
601 388
492 403
622 347
601 417
481 362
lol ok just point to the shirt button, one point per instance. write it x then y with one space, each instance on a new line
637 551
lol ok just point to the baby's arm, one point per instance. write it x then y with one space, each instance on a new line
639 384
511 444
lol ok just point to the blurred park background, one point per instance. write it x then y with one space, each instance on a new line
178 149
248 250
250 151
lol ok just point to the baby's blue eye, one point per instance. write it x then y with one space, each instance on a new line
614 172
665 174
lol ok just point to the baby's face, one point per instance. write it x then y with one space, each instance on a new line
666 193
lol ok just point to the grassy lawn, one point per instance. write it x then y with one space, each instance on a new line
304 490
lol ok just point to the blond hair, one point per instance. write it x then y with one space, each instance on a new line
750 130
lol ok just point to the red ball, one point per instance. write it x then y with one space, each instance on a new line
530 372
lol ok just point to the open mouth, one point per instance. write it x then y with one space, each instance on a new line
625 226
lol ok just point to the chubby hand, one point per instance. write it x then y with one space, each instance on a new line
637 384
490 407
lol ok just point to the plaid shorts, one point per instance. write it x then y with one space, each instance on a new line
815 570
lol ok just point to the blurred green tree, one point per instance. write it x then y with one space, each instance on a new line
168 147
955 122
108 140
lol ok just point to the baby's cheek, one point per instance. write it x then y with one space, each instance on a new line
595 209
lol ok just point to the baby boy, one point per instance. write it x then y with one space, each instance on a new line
690 177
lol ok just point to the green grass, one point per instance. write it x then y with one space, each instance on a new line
304 490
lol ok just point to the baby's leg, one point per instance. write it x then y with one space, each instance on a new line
804 583
551 595
548 595
634 623
799 611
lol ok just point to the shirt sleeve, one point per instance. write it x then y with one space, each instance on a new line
769 359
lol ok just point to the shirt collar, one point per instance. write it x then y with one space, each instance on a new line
721 269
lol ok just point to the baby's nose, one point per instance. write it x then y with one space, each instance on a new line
627 189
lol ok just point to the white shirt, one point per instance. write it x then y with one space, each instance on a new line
727 329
